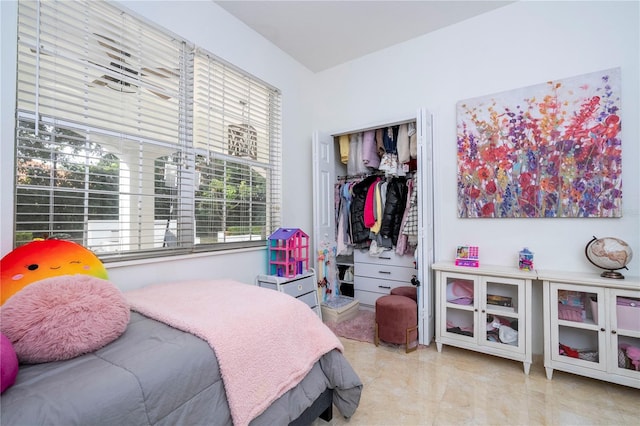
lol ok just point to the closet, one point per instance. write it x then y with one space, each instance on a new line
389 249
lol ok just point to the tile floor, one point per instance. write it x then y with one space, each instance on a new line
461 387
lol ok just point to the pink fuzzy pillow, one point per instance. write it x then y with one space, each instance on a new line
62 317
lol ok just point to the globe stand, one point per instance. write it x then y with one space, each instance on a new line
612 274
623 253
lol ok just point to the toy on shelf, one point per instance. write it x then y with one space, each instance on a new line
525 260
288 252
467 256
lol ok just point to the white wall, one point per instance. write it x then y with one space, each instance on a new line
515 46
211 27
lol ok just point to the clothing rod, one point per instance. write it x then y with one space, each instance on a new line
409 175
359 176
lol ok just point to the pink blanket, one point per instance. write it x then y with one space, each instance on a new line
265 341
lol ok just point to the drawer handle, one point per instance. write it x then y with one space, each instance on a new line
385 286
384 257
384 272
300 287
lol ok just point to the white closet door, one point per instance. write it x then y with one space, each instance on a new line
324 178
425 255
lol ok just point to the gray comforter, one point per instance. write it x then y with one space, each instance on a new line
156 375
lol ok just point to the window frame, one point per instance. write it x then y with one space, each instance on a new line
263 152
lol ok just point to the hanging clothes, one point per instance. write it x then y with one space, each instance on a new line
343 221
369 209
402 246
411 225
403 144
393 211
379 142
370 156
390 139
343 142
359 232
362 169
352 167
371 212
413 140
378 207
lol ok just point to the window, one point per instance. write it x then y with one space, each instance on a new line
133 142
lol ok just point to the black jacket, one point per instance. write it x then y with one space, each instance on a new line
359 232
394 209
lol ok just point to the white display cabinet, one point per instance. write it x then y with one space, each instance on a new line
590 324
484 309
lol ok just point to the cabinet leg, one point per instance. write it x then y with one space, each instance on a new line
439 346
549 372
527 367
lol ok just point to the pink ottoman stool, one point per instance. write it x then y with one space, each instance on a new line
407 291
396 320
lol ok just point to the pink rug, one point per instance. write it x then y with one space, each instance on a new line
361 328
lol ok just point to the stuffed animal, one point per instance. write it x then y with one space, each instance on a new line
57 302
37 260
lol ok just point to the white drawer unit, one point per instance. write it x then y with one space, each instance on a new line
385 258
303 287
375 276
384 272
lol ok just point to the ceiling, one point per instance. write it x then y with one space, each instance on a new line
323 34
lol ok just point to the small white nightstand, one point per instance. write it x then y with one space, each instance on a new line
303 287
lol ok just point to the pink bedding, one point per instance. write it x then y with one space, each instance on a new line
265 341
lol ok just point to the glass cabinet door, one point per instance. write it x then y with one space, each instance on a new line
458 313
579 338
501 323
625 332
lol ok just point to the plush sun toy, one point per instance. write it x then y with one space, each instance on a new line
38 260
57 302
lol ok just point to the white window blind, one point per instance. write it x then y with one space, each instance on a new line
133 142
236 138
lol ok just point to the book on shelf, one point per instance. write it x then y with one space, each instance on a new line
494 299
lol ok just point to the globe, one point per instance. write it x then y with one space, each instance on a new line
610 254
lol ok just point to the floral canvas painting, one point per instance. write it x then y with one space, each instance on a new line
549 150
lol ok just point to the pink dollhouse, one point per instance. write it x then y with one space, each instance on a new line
288 252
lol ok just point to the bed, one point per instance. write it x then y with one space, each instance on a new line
164 370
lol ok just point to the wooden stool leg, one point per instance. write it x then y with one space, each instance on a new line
409 331
376 339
